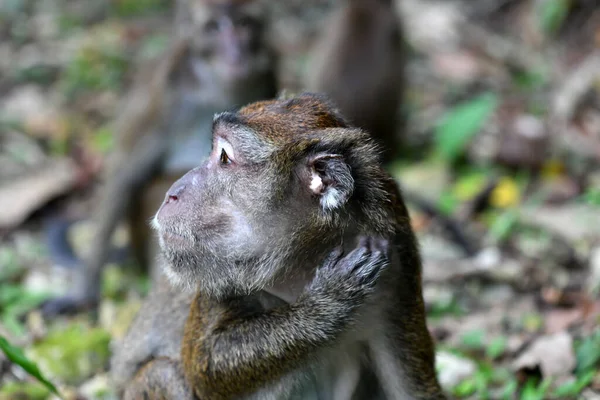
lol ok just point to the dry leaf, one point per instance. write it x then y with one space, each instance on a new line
22 197
553 354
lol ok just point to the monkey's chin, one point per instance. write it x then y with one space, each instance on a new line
178 280
214 277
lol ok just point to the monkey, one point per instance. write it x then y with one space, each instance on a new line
293 204
358 61
218 60
152 345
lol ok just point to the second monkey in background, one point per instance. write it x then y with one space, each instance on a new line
218 60
358 61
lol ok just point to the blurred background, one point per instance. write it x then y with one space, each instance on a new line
502 145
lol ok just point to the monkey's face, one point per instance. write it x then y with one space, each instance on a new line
284 182
220 225
227 40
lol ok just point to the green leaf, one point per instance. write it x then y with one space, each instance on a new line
592 196
504 224
570 389
12 324
15 355
465 388
508 390
130 8
588 353
72 353
24 390
552 13
103 140
496 348
10 264
448 203
533 391
15 301
474 339
530 80
461 124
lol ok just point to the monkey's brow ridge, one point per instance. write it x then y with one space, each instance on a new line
228 118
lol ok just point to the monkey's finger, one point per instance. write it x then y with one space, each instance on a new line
333 257
356 259
372 270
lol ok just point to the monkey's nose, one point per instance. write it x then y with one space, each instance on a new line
174 193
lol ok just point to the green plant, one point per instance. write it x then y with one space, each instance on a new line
552 13
592 196
95 67
460 124
571 389
496 347
16 356
16 301
534 391
588 353
130 8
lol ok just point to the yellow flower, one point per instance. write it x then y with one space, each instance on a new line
506 194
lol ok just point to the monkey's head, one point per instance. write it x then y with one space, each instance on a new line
227 38
286 181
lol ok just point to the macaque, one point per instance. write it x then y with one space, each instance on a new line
358 61
306 272
218 61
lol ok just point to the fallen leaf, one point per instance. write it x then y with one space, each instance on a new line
560 320
573 222
553 354
25 195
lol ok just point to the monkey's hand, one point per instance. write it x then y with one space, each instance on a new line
346 281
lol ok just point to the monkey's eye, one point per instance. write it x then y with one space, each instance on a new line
224 158
225 152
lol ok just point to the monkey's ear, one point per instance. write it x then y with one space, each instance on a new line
330 179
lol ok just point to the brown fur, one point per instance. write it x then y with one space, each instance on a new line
234 345
160 379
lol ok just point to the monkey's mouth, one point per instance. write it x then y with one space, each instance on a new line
174 239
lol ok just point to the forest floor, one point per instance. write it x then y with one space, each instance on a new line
503 143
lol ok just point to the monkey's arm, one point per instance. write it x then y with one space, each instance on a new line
241 350
161 378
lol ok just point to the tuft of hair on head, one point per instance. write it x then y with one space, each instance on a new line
343 162
286 94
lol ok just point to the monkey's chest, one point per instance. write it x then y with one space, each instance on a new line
346 373
338 374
